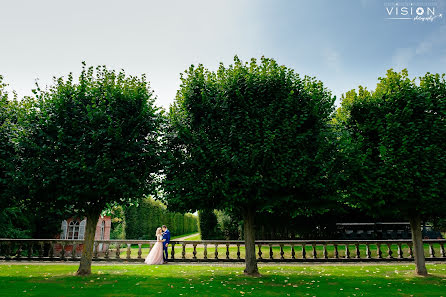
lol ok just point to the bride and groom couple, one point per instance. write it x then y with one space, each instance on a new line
159 254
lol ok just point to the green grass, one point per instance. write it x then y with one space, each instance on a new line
206 280
182 235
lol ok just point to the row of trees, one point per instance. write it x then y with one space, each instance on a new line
257 137
248 138
142 220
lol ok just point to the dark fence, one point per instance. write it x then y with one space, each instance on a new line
223 251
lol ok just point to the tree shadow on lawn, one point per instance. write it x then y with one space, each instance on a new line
172 280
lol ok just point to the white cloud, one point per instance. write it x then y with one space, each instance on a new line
423 48
402 57
332 59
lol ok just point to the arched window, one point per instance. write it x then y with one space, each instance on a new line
73 230
102 229
63 230
82 229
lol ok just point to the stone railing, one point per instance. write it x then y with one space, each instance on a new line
223 251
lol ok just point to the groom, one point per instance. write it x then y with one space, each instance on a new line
166 236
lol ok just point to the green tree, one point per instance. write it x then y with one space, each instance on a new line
12 222
395 141
208 225
91 143
248 137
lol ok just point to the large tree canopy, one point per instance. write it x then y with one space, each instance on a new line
248 137
8 121
396 143
90 143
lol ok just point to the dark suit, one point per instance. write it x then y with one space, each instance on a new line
166 236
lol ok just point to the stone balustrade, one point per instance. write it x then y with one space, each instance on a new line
223 251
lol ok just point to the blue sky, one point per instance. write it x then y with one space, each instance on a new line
344 43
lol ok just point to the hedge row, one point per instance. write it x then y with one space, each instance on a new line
141 221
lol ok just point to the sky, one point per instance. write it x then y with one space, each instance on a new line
344 43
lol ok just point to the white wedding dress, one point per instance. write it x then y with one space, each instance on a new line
155 256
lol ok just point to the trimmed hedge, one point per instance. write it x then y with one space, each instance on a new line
141 221
208 225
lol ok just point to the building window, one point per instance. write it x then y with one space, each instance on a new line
73 230
102 230
82 229
63 233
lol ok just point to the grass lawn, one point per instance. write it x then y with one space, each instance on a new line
180 236
207 280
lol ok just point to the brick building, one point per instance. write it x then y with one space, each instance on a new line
73 228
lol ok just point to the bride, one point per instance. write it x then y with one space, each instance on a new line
156 254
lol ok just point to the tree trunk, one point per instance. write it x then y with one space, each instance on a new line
87 250
417 241
250 247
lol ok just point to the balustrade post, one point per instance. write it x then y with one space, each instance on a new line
281 252
205 253
51 250
8 251
368 253
442 251
139 250
400 251
304 252
107 251
95 248
195 251
118 250
271 255
325 251
389 251
314 251
19 252
431 251
358 253
293 252
238 251
62 252
183 252
73 251
347 252
216 251
172 253
260 251
30 250
129 251
40 250
336 252
227 251
410 251
378 251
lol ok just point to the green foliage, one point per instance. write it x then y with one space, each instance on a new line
90 143
13 224
8 123
396 145
249 135
141 220
208 225
117 222
229 224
